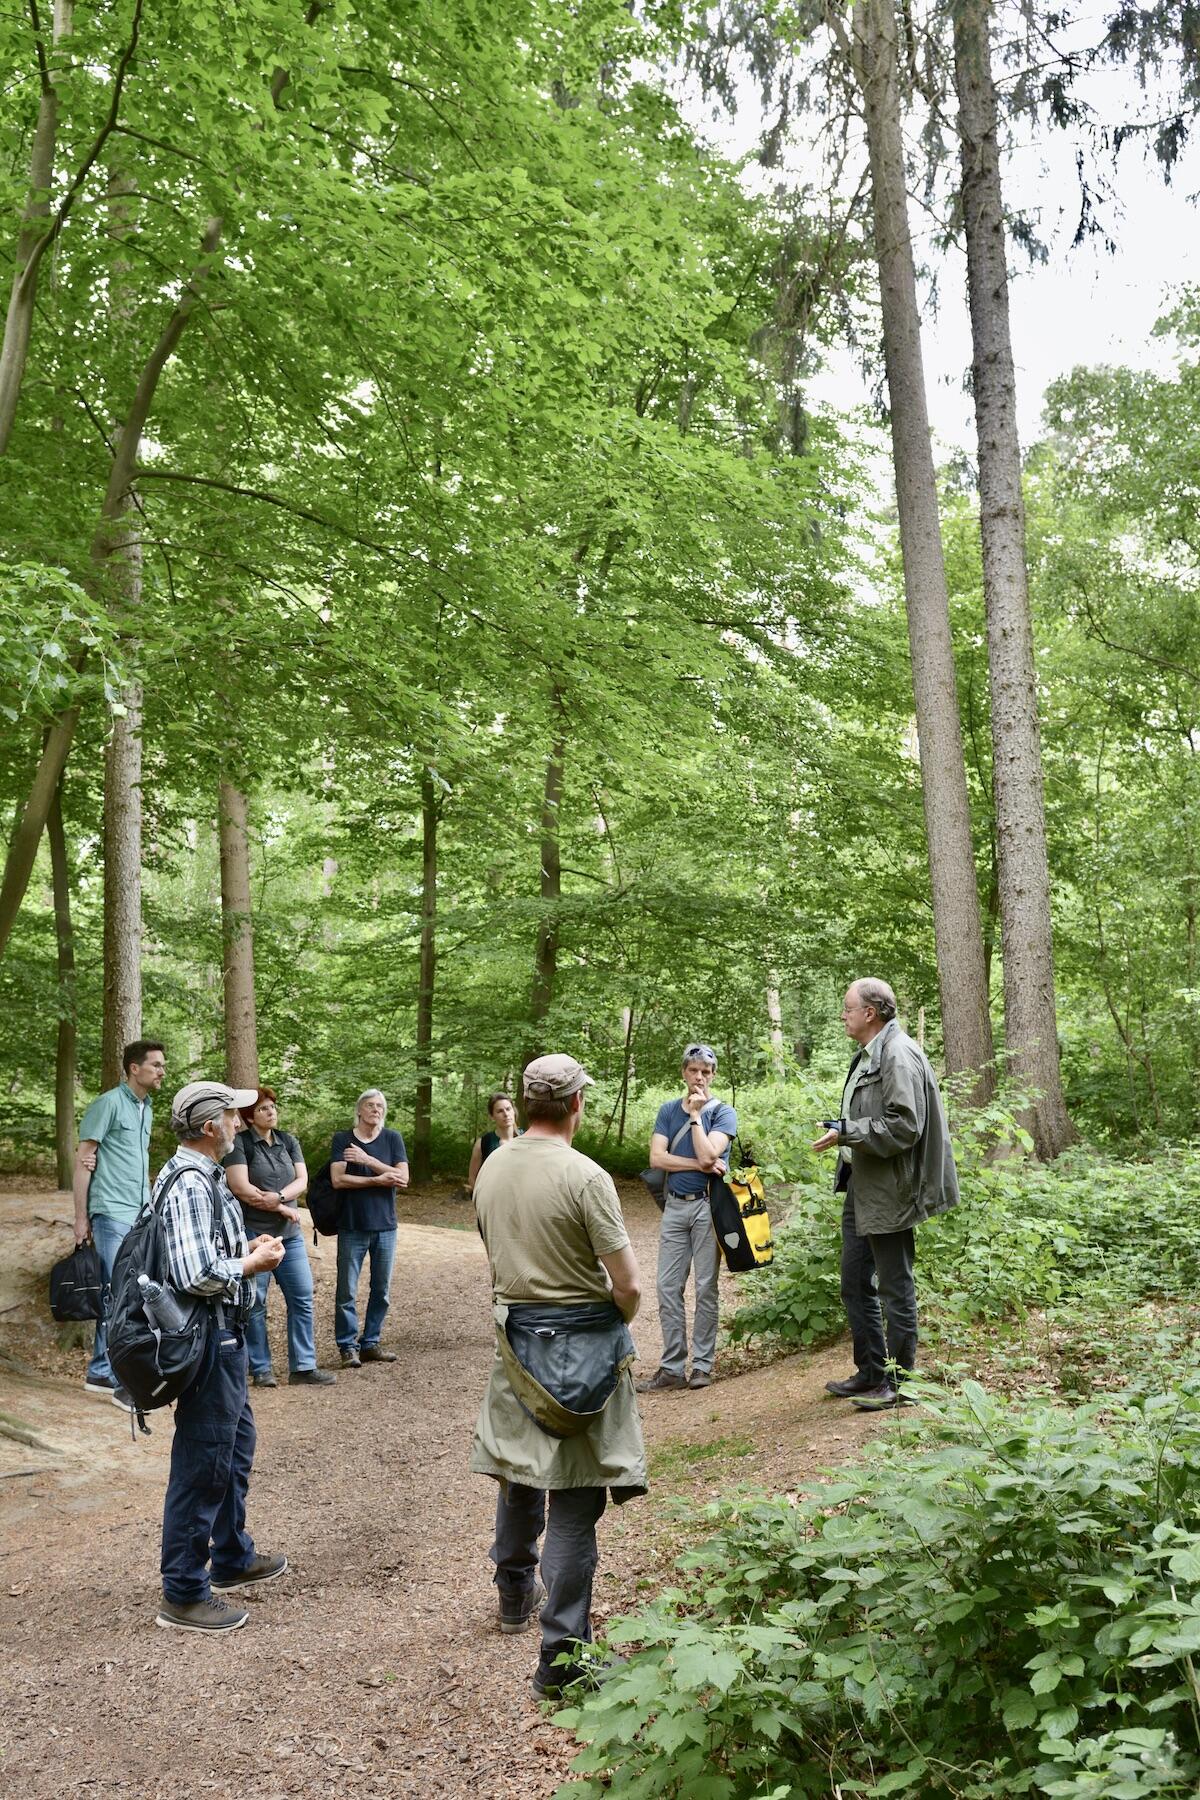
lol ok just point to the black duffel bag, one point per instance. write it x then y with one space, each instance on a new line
77 1285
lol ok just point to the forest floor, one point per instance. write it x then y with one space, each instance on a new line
375 1666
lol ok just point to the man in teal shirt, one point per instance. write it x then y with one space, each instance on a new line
112 1176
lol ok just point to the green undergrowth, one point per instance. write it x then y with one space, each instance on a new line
1002 1599
1059 1257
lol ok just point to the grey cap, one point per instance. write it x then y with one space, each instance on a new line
200 1101
555 1077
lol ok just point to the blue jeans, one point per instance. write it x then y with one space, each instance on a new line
204 1513
295 1278
352 1247
108 1235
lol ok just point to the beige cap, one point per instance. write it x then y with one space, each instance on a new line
555 1077
200 1101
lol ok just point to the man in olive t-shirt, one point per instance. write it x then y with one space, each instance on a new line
551 1221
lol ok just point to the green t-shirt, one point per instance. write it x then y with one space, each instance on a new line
547 1213
120 1124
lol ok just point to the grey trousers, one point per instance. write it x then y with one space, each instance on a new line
686 1240
568 1559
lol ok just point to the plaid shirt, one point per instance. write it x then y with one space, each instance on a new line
198 1262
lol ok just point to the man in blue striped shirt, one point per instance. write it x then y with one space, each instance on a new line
204 1514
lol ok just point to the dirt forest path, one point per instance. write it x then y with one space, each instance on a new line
375 1666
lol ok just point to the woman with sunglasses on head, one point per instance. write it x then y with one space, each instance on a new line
504 1130
266 1172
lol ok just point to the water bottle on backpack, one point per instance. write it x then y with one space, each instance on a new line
161 1306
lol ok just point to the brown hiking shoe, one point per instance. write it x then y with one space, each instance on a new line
660 1381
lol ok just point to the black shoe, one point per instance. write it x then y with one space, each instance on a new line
265 1380
659 1381
351 1359
311 1378
372 1353
201 1615
518 1611
883 1398
591 1671
101 1385
854 1384
263 1568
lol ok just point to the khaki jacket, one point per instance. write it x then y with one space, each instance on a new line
901 1159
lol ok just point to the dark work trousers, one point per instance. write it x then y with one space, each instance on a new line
879 1269
211 1459
568 1559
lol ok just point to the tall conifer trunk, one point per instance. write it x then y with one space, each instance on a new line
1026 938
422 1156
237 939
65 1050
966 1021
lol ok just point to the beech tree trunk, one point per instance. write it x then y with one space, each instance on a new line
422 1148
18 323
122 1020
966 1020
1026 936
775 1021
22 849
237 938
65 1052
545 956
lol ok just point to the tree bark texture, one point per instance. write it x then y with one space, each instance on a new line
775 1024
122 1020
18 323
22 848
422 1149
1026 935
65 1052
545 956
966 1020
237 938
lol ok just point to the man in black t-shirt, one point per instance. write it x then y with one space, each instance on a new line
368 1164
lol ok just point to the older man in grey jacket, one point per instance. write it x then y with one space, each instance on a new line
895 1168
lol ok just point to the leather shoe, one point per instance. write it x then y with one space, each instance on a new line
311 1378
698 1379
883 1398
372 1353
660 1380
267 1380
351 1359
853 1384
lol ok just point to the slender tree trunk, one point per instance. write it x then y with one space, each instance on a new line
966 1021
545 956
1026 936
27 835
65 1056
18 323
426 979
122 1021
775 1022
237 938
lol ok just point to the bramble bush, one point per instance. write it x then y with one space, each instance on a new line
1002 1600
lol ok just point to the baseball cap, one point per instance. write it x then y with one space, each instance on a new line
200 1101
557 1077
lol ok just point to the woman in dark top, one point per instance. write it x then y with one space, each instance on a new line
503 1115
368 1163
266 1172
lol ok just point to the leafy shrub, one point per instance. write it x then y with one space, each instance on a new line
1004 1601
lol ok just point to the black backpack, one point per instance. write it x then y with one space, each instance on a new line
77 1285
324 1203
152 1365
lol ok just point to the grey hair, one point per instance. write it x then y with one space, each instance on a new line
370 1094
878 995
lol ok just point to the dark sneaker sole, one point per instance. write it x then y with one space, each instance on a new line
248 1581
169 1624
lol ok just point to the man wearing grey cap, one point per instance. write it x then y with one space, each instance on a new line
558 1427
204 1514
